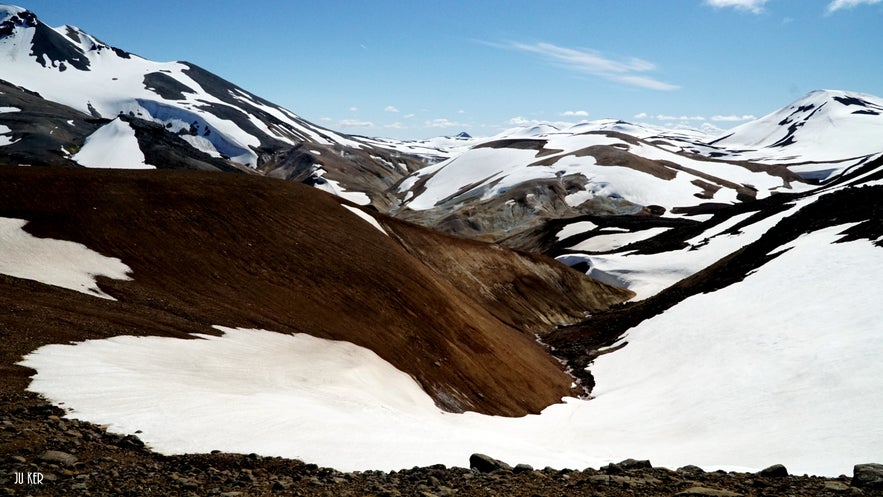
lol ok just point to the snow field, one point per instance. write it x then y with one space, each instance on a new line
54 262
764 371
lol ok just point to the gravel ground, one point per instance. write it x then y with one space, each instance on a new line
54 456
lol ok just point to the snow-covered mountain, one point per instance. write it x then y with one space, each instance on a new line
162 114
510 184
824 126
730 319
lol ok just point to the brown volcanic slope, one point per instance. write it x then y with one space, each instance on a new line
216 249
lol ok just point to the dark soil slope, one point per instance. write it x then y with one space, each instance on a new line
214 249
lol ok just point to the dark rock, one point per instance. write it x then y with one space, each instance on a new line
487 464
523 468
613 469
58 457
630 464
691 471
867 476
774 471
708 492
130 442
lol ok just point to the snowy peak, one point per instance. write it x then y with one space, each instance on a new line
23 34
824 125
173 114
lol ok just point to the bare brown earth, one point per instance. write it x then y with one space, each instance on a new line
213 249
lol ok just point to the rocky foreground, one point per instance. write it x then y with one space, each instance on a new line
42 453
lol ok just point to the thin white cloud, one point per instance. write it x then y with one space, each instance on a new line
354 109
663 117
442 123
355 123
753 6
848 4
733 118
408 116
524 122
575 113
594 63
395 125
641 115
390 108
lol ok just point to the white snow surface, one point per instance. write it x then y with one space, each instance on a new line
5 140
768 370
368 218
613 241
575 229
112 146
826 129
55 262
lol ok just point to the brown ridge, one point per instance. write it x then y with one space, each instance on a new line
216 249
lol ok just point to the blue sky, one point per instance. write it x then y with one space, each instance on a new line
416 69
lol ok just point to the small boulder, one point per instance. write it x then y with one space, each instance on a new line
630 464
523 468
774 471
487 464
707 492
691 471
58 457
867 476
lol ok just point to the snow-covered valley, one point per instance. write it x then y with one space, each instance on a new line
195 266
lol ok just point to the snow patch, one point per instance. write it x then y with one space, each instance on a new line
365 217
613 241
575 229
112 146
55 262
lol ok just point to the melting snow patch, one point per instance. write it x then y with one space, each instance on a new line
780 368
613 241
5 140
54 262
575 229
112 146
366 217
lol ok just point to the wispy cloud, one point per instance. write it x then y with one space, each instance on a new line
521 121
390 108
575 113
848 4
443 123
733 118
355 123
626 71
663 117
753 6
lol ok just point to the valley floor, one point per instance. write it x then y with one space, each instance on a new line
72 458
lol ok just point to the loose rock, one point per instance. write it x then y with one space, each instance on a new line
867 476
487 464
774 471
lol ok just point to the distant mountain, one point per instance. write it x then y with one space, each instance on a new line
823 126
67 98
510 184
